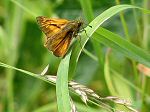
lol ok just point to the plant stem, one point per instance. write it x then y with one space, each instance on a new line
13 29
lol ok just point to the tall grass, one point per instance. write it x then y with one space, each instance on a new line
108 63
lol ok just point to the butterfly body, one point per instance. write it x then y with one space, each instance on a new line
59 33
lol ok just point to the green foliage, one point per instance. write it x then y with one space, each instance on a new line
108 64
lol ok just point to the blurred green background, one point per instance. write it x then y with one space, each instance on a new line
21 46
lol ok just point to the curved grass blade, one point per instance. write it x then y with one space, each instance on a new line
62 92
107 75
95 25
25 72
128 49
89 15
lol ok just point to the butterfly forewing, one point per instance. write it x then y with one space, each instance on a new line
59 33
51 26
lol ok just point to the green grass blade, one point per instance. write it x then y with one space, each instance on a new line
24 71
48 107
62 92
95 25
87 9
128 49
107 75
127 82
89 15
24 8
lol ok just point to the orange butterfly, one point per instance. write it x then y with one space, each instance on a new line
59 33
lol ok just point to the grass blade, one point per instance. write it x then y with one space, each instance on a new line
128 49
95 25
62 92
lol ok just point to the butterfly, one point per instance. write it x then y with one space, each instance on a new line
59 33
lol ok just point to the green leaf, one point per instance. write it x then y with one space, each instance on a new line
128 49
107 75
25 72
87 9
116 86
95 25
88 12
62 92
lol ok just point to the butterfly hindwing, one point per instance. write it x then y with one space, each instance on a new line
53 42
61 49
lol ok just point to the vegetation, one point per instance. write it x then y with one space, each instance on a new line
109 63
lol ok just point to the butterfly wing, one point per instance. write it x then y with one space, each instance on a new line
58 35
61 48
60 42
51 26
